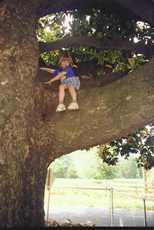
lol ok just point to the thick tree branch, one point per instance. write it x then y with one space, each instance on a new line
106 112
141 8
75 42
138 9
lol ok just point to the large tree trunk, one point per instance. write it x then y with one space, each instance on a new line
22 165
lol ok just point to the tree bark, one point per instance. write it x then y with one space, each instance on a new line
22 164
75 42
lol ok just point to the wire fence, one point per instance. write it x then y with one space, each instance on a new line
142 214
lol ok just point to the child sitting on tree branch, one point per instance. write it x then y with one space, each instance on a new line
68 81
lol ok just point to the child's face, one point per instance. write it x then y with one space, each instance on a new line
64 64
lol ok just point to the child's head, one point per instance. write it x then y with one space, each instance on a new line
64 62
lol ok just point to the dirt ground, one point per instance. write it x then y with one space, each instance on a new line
100 216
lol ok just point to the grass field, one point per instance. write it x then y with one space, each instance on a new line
127 193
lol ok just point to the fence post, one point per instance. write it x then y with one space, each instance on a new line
145 213
49 191
112 212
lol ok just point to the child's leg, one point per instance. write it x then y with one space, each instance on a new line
62 88
61 107
74 105
73 93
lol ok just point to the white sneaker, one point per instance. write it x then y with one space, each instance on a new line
61 108
73 106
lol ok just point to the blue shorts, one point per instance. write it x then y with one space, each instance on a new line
72 81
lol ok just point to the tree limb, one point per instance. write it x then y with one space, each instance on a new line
138 10
141 8
75 42
106 112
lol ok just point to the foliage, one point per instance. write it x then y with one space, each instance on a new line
100 171
51 57
135 143
73 166
101 24
50 27
109 154
136 61
106 172
128 168
150 176
64 167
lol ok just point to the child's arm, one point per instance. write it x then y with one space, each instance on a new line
60 76
47 69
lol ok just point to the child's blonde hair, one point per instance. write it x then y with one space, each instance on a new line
63 58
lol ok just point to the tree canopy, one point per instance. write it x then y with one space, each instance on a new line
128 8
98 37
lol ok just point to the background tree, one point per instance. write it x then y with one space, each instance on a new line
73 166
64 168
137 143
128 168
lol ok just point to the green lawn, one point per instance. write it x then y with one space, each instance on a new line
126 197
